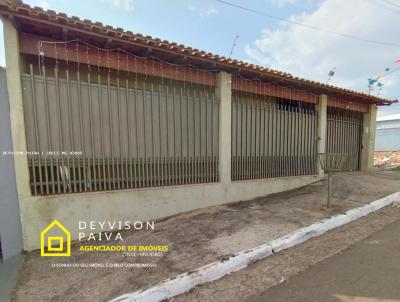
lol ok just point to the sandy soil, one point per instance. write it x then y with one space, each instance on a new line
386 159
196 239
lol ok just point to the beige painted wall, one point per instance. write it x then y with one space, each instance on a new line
224 97
13 70
142 204
321 128
368 138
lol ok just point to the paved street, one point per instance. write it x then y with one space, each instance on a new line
369 272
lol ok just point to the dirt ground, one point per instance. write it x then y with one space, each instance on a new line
198 238
386 159
264 275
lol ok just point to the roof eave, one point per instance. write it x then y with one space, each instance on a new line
222 63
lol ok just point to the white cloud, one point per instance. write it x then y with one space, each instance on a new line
126 5
281 3
208 11
204 11
40 3
44 4
311 54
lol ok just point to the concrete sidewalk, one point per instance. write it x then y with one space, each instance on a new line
8 273
196 239
369 271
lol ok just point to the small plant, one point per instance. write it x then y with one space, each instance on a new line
330 163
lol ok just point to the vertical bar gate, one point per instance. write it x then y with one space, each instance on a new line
344 130
97 131
272 137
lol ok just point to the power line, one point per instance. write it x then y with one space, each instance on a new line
308 26
390 72
233 45
384 7
391 3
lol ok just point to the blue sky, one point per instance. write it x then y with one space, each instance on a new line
212 26
204 24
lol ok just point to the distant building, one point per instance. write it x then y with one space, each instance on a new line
388 133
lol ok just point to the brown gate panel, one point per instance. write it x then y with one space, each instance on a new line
272 137
93 131
344 128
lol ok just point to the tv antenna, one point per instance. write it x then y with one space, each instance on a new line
331 73
233 45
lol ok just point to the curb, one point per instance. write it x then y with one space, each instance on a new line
216 270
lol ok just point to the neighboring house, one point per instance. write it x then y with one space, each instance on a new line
388 133
10 226
116 126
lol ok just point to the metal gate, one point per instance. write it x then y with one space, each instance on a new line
344 134
272 137
92 131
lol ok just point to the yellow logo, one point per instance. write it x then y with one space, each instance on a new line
55 245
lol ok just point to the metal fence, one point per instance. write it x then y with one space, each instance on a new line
97 131
344 129
272 137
